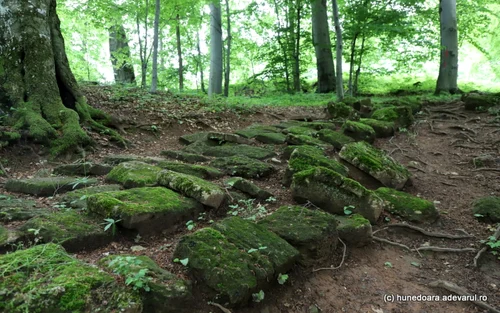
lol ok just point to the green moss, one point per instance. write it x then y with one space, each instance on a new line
381 128
407 206
339 109
299 130
335 138
319 125
255 130
191 138
402 116
184 156
4 234
359 131
301 140
200 171
133 174
271 138
240 150
72 133
487 208
288 150
243 166
354 221
78 198
47 186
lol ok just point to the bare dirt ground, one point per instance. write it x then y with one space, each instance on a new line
438 150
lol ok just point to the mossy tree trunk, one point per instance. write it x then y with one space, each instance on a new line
36 82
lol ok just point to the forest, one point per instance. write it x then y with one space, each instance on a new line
254 156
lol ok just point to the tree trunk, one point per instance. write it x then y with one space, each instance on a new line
215 83
358 70
200 63
322 47
282 46
339 47
156 30
143 46
120 55
36 82
228 52
448 70
351 62
295 35
179 53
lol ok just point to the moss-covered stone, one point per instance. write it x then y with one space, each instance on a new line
192 138
376 163
359 131
194 187
243 166
354 229
4 235
486 160
83 169
286 124
271 138
487 208
415 104
184 156
165 292
74 231
17 209
306 158
149 209
201 171
77 199
382 129
299 130
409 207
401 116
248 187
300 140
319 125
222 138
255 130
480 102
333 192
47 186
45 278
133 174
288 150
312 232
335 138
240 150
339 110
115 159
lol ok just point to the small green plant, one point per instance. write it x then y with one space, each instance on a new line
154 128
271 200
403 130
494 244
184 262
247 210
282 278
190 225
258 297
388 265
134 273
348 209
78 181
110 223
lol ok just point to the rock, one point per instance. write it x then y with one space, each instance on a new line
149 210
271 138
192 138
286 124
184 156
415 104
255 130
115 159
74 231
486 160
14 209
335 138
201 171
304 158
376 163
243 166
165 293
312 232
354 230
319 125
487 208
339 110
240 150
57 282
288 150
408 207
299 130
332 192
222 138
300 140
402 116
201 190
133 174
248 187
77 199
480 102
47 186
359 131
382 129
83 169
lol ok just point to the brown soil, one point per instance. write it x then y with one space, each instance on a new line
438 150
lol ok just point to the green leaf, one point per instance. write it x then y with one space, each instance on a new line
282 278
184 261
252 250
416 264
388 264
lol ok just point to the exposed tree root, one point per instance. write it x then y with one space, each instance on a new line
223 309
341 262
486 169
441 249
391 243
430 234
496 235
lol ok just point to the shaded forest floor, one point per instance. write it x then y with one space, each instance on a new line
438 149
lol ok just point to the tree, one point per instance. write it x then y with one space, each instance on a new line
179 52
36 82
338 34
448 69
156 30
120 55
322 47
215 82
228 51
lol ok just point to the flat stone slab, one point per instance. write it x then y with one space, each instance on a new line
359 131
16 209
333 192
82 169
192 138
401 116
57 282
184 156
240 150
376 163
243 166
194 187
255 130
299 130
133 174
249 188
410 208
382 128
271 138
222 138
354 229
300 140
115 159
149 210
312 232
48 186
201 171
487 208
77 199
335 138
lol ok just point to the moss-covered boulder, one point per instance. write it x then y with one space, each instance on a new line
184 156
74 231
288 150
312 232
480 102
83 169
335 138
382 129
319 125
301 140
402 116
299 130
486 160
201 171
240 150
149 210
333 192
161 291
414 103
194 187
339 110
192 138
376 163
271 138
487 208
359 131
249 188
48 186
411 208
16 209
45 278
222 138
133 174
77 199
115 159
255 130
354 229
243 166
304 158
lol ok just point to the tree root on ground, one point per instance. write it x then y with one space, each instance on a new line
428 233
496 235
341 262
223 309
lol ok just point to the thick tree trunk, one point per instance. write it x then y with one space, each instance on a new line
282 46
120 55
339 47
448 69
36 81
215 83
228 52
156 30
322 47
179 53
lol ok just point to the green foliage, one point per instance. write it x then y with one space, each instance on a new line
111 223
282 278
131 268
246 209
258 297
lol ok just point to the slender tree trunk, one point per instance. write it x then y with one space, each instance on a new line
448 70
143 46
358 70
179 53
339 47
200 63
322 47
215 83
282 46
228 51
295 35
154 78
351 62
120 55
